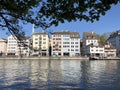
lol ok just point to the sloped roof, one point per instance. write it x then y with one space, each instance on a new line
72 34
2 39
39 33
89 35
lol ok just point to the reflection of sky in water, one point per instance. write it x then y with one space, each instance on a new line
59 74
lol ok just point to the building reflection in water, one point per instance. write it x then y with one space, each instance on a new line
12 72
39 73
59 74
71 73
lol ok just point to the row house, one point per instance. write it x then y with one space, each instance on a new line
89 38
12 46
110 51
40 44
17 47
92 47
114 39
24 46
65 43
3 46
95 51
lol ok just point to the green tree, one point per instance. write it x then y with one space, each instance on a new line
103 39
44 13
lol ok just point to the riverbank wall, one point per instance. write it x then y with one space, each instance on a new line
45 58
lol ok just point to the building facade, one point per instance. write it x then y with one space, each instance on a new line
12 46
3 46
110 51
24 46
95 51
65 43
40 44
89 38
18 47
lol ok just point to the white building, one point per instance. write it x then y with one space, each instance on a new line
24 46
88 39
95 51
114 39
66 43
17 47
3 46
12 46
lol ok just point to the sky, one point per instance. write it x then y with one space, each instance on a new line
108 23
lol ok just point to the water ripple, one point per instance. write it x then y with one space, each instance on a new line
59 75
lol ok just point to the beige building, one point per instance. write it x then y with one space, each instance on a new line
3 46
110 51
40 44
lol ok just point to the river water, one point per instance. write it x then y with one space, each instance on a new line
59 75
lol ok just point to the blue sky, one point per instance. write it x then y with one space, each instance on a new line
108 23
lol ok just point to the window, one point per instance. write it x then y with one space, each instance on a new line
66 39
72 39
40 38
44 35
58 38
76 50
72 42
92 50
36 42
72 49
36 38
76 42
76 46
44 38
59 53
66 43
65 46
44 42
44 47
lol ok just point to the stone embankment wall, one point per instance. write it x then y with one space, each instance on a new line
47 58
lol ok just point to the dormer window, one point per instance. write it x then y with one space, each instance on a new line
92 37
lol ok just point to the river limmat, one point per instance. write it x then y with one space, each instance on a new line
59 75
